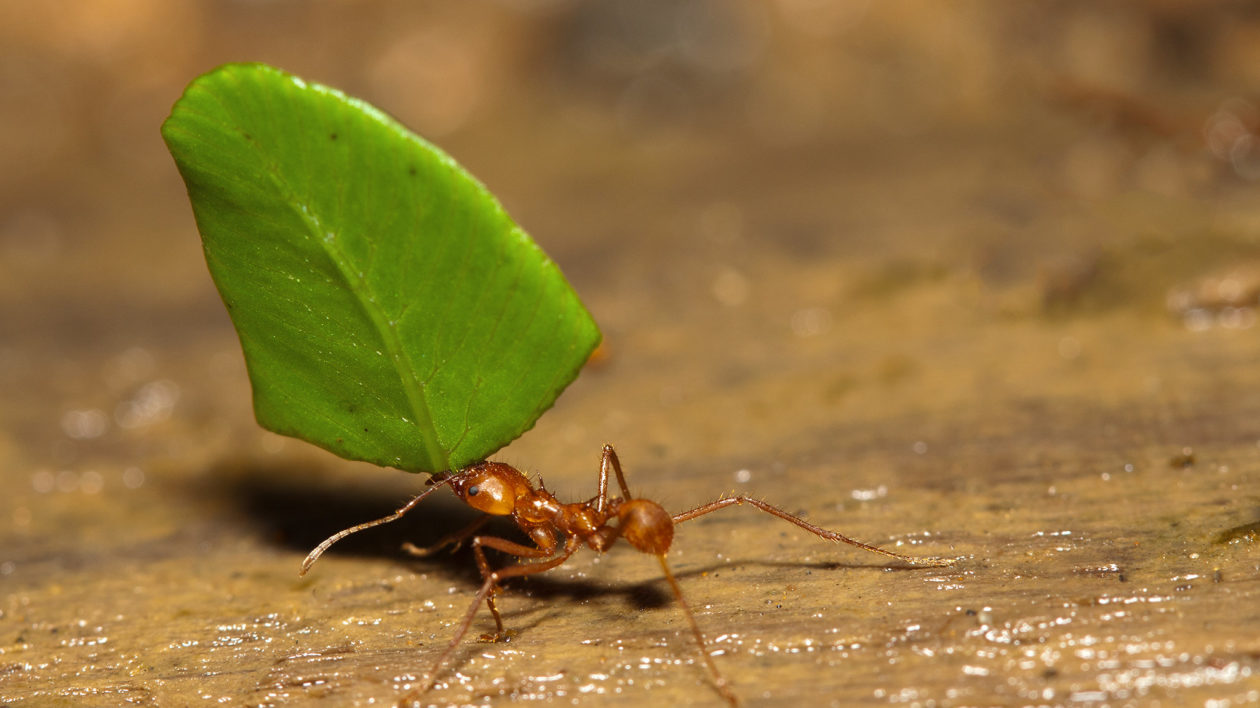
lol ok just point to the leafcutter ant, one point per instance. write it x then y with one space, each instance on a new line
558 530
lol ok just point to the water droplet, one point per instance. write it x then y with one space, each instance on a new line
84 424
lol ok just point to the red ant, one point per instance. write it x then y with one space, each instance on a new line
498 489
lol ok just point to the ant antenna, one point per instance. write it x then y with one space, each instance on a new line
328 542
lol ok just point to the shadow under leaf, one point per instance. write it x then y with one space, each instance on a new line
296 509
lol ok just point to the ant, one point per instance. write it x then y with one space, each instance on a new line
558 530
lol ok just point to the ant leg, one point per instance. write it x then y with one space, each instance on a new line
487 590
506 546
609 459
719 682
816 530
454 540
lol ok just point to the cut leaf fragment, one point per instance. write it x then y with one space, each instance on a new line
389 309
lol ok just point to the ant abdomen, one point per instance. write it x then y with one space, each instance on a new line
646 526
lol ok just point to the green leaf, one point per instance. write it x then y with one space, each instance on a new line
388 308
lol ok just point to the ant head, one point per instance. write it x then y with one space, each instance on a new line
490 487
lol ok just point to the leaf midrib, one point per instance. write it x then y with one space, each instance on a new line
412 386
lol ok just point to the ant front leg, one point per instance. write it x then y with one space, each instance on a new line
454 540
492 578
486 594
816 530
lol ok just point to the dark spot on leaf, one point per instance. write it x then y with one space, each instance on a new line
412 170
332 136
365 430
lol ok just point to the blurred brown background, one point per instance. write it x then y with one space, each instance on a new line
974 279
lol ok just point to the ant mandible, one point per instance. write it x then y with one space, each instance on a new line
498 489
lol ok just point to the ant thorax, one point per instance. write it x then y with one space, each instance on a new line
580 520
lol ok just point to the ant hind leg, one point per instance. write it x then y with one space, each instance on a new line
719 682
816 530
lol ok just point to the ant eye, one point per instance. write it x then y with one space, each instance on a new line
474 490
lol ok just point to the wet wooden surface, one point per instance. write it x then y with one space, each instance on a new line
940 288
